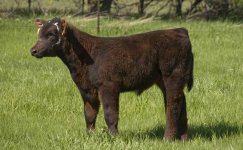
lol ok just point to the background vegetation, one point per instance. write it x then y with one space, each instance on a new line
190 9
40 107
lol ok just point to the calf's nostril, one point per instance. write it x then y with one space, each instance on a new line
33 51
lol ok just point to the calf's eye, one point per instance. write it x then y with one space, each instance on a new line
51 35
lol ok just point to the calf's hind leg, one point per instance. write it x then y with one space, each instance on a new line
176 116
161 86
182 126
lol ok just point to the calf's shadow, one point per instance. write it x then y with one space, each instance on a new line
208 132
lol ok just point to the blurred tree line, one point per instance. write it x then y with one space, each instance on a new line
209 9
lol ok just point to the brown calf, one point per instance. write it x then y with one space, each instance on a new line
103 67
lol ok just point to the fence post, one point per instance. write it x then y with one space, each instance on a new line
29 5
98 17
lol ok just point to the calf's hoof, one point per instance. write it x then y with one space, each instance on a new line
90 130
169 136
183 137
113 132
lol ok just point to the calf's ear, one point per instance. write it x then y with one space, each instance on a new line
39 22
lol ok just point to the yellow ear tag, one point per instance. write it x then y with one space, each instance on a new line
38 31
64 27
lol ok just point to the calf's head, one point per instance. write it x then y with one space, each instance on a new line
50 37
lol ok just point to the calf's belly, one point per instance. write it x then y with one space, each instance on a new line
139 83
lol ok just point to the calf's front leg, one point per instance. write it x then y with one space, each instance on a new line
109 96
90 112
91 109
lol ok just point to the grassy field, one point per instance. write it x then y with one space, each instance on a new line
40 107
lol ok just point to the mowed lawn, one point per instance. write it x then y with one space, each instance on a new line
40 107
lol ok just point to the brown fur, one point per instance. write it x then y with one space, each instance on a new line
104 67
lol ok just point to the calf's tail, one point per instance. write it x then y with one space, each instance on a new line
190 81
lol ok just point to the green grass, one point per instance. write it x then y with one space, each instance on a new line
40 107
